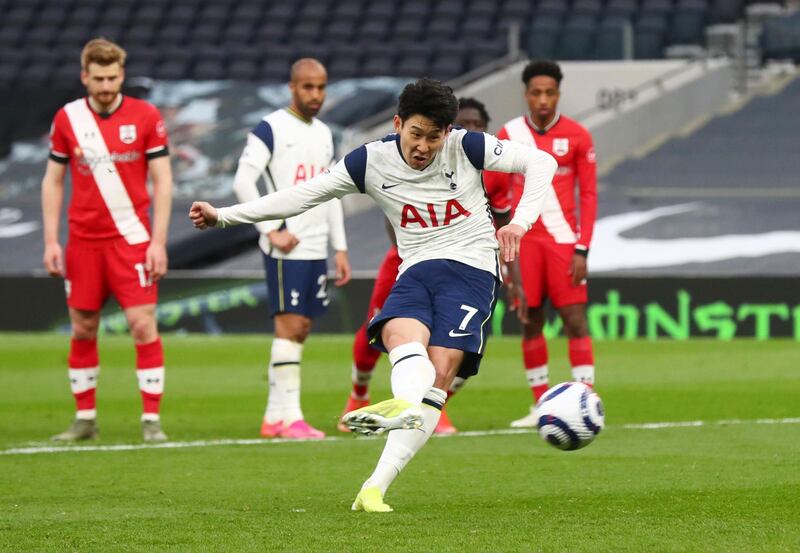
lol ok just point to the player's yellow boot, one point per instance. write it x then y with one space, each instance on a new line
378 418
370 500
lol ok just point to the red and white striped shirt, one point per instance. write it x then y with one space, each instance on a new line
108 157
571 146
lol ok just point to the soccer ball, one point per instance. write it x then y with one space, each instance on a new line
570 415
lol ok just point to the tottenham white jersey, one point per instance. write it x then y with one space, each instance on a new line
440 212
287 151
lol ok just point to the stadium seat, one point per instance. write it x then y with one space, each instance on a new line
413 67
109 31
688 22
10 36
246 52
148 15
576 41
208 70
543 37
621 8
416 10
305 31
114 15
660 8
270 32
319 52
181 14
348 51
214 13
51 14
139 69
481 52
238 32
476 27
442 28
40 35
209 52
406 30
282 12
37 74
348 9
725 11
377 65
448 8
649 36
610 37
171 34
68 74
373 29
482 8
552 9
274 70
380 9
20 16
249 12
172 71
242 70
591 8
141 34
516 9
447 67
314 10
343 68
340 30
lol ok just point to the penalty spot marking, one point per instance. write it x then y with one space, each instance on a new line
40 449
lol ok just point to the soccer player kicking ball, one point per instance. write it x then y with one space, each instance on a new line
427 180
472 115
109 142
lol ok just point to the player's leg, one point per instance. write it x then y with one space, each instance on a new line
84 369
570 300
366 357
463 300
576 328
283 405
298 294
403 444
86 292
137 294
534 346
150 371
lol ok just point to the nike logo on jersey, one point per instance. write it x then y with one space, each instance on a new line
454 334
388 186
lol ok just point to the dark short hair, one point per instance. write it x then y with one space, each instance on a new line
466 103
430 99
545 68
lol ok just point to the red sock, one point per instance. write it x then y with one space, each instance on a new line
150 372
83 372
534 354
364 360
582 360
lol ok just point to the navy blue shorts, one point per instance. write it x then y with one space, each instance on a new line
297 286
455 301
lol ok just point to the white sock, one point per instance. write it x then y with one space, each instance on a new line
283 403
402 445
537 376
457 384
361 378
583 373
412 372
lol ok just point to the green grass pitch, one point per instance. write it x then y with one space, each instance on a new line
721 486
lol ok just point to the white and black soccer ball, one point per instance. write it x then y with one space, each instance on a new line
570 415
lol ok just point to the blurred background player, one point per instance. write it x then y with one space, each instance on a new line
287 148
110 142
427 180
472 115
553 254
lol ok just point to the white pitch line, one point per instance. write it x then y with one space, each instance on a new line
34 450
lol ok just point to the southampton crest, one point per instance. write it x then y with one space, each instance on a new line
560 146
127 133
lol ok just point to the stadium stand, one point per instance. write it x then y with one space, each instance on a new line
35 33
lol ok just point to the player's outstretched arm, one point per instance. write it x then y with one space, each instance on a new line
279 205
